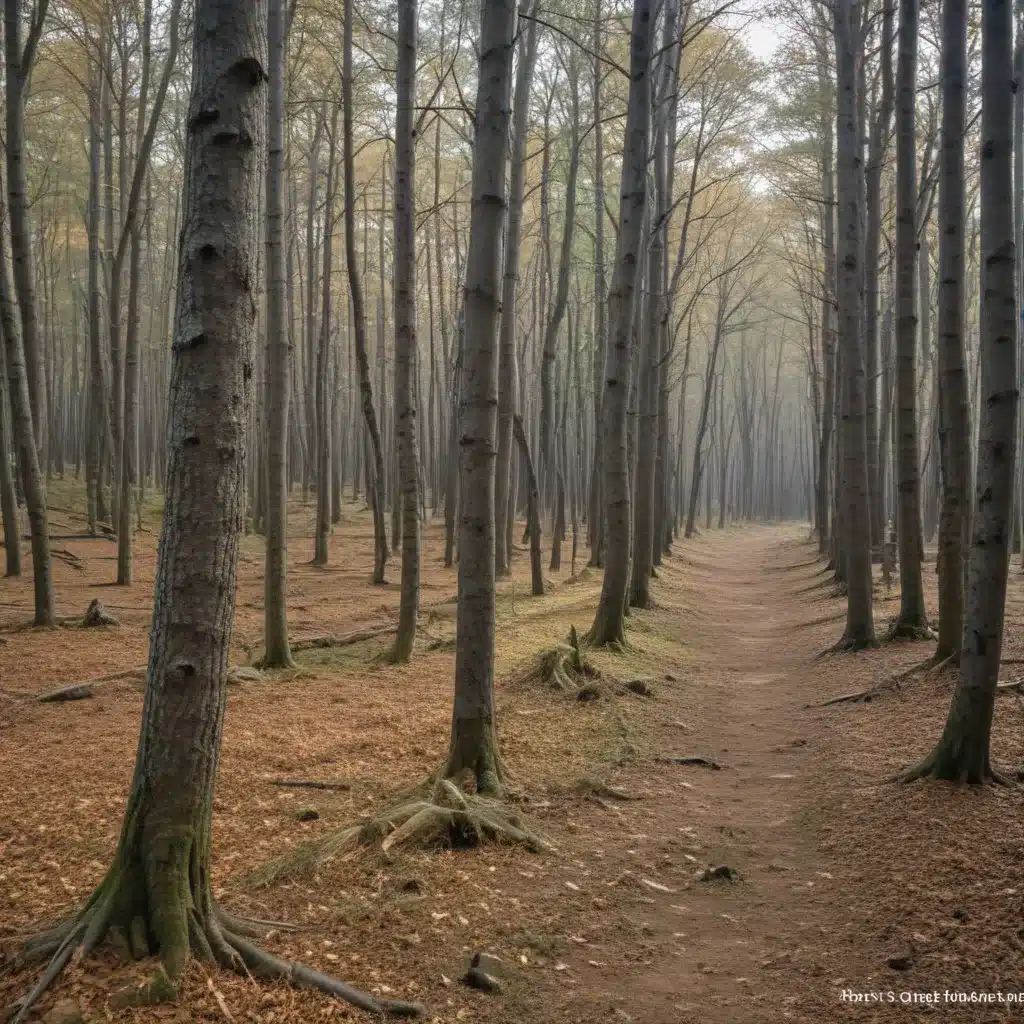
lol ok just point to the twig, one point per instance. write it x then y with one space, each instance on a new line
310 784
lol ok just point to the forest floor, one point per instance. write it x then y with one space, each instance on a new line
839 871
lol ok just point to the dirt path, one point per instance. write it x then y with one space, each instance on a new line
732 951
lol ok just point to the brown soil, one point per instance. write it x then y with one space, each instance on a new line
838 869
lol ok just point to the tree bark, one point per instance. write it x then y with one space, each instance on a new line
508 371
404 297
955 428
609 621
911 620
25 443
355 284
323 363
474 746
8 496
277 653
19 60
855 503
962 753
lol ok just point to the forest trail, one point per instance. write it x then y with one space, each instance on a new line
752 815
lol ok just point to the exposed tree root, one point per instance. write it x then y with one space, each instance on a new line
1011 686
942 764
563 667
861 696
930 666
124 908
847 644
436 814
908 631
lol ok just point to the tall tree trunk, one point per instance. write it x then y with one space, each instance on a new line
962 753
25 442
879 145
276 650
609 621
375 473
826 130
8 497
548 465
911 620
595 519
406 360
532 510
323 363
474 743
508 371
19 60
855 510
954 532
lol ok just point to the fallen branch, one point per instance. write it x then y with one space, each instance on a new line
1013 686
309 784
858 696
701 762
343 640
76 691
68 556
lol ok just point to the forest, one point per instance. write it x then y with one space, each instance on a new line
511 511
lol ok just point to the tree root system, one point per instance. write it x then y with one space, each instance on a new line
193 926
942 764
908 631
436 814
565 668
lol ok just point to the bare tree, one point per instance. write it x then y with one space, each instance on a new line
474 744
375 472
406 360
854 504
955 427
277 652
911 620
962 753
609 621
